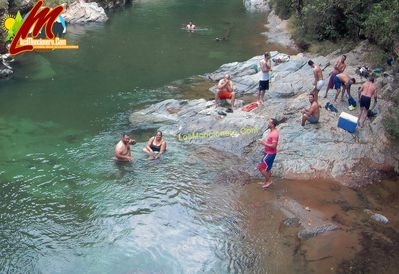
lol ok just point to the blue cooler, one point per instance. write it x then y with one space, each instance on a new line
347 122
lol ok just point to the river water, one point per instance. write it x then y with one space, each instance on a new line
67 208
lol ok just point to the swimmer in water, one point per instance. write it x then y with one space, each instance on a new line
190 26
122 148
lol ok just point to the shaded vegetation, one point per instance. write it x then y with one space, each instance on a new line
375 20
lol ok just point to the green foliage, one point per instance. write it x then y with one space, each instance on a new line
391 122
382 23
376 20
283 8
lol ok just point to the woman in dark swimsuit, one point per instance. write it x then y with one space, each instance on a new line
155 144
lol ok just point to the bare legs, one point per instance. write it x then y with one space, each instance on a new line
304 119
260 97
267 175
362 116
150 153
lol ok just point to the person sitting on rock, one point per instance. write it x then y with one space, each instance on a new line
225 91
155 147
343 80
312 113
190 26
318 81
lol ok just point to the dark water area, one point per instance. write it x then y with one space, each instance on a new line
67 207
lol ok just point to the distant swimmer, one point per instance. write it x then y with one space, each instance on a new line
190 26
155 147
122 148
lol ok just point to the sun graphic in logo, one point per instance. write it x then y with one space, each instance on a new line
8 22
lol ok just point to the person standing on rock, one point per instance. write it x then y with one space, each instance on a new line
265 67
318 82
270 151
366 91
122 148
343 80
225 91
312 113
339 67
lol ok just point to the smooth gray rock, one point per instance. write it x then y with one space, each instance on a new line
80 12
314 151
257 5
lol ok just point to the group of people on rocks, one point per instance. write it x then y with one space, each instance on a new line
338 80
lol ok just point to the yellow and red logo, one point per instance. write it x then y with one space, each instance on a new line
41 29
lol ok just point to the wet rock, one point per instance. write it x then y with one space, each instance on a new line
5 68
278 31
377 217
257 5
80 12
292 222
313 232
313 151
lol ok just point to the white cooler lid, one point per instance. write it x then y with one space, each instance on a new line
348 117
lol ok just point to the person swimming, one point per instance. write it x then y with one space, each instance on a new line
190 26
155 144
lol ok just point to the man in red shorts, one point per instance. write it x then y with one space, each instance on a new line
225 91
270 151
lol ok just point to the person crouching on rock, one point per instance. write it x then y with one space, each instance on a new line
122 148
270 151
312 113
225 91
343 80
155 147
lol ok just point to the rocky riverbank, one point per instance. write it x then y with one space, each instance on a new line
312 152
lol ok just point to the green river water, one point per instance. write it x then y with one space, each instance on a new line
65 206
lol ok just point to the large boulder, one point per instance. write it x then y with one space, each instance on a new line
277 31
80 12
314 151
257 5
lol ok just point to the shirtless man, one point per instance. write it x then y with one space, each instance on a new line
122 148
190 26
339 67
225 91
318 82
343 80
312 113
265 67
366 91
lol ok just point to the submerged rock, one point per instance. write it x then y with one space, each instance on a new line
377 217
292 222
313 232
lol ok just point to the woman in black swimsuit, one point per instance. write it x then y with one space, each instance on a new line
155 144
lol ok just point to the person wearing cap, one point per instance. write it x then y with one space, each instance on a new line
343 80
265 67
366 91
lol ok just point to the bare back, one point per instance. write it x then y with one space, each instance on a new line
344 78
314 109
122 149
318 74
369 89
